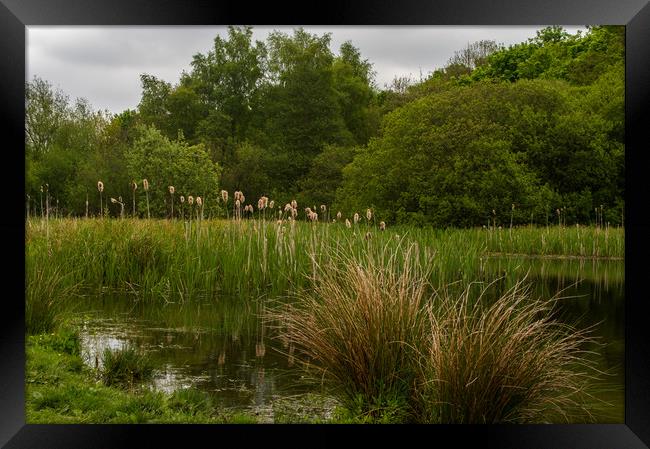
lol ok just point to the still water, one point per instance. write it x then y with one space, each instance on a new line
226 349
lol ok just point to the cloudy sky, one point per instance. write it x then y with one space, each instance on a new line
103 64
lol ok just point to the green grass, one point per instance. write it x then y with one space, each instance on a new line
125 367
60 389
165 261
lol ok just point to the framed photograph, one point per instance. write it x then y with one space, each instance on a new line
419 216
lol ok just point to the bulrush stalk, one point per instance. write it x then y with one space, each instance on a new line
145 186
134 187
171 192
100 187
224 198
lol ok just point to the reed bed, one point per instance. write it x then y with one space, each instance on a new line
176 261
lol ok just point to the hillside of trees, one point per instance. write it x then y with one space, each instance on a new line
532 130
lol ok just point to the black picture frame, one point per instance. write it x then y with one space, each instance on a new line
15 15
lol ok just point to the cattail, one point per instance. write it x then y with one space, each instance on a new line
199 201
294 204
224 196
113 200
356 218
368 235
369 214
382 226
272 204
323 208
171 191
182 199
237 203
145 186
100 187
308 210
347 223
260 204
338 215
287 207
190 200
134 187
265 202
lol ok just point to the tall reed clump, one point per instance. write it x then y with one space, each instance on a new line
361 324
391 348
47 295
502 361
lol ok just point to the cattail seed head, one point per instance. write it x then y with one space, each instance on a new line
237 203
182 199
199 201
272 204
368 235
224 196
100 186
190 200
260 204
323 208
171 189
356 218
287 207
41 189
242 197
145 184
513 206
134 185
338 215
347 223
294 204
382 226
113 200
369 214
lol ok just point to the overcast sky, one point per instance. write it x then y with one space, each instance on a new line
103 64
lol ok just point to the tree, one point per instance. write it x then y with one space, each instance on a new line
167 163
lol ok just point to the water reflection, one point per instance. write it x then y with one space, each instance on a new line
225 349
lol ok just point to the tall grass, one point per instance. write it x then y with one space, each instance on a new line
384 342
503 361
47 297
170 261
361 324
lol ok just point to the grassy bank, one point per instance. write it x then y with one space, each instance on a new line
60 389
169 261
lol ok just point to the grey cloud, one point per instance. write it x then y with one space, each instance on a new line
103 64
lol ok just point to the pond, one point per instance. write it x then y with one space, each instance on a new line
225 348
